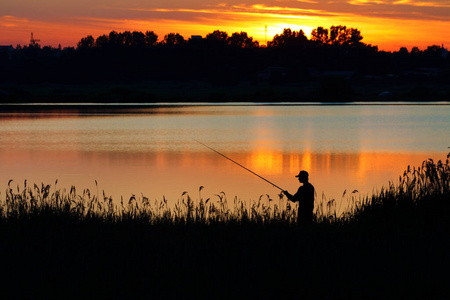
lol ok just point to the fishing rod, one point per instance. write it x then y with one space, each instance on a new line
273 184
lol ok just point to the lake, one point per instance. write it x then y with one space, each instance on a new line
153 151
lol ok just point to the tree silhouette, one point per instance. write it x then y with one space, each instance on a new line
133 56
415 50
126 39
218 37
173 39
355 37
341 35
242 40
102 41
289 38
320 35
217 40
403 51
86 43
151 38
338 35
433 50
137 39
114 39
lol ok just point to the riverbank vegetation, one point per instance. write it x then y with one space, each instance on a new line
331 65
393 244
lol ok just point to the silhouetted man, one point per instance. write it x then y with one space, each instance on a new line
304 197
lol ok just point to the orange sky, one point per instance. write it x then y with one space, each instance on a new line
390 24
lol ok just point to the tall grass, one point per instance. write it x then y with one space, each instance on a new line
422 195
80 243
425 189
28 202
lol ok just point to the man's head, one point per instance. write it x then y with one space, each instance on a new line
303 176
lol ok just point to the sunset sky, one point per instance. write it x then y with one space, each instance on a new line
389 24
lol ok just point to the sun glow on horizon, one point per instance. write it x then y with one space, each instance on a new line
389 26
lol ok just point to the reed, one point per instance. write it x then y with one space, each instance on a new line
27 202
73 243
421 197
425 189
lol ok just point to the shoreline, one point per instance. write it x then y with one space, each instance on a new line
200 92
142 108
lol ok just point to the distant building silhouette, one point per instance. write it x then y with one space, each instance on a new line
33 41
444 52
6 52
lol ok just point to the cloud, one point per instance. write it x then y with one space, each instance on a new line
59 10
399 9
375 18
240 11
423 3
11 21
365 2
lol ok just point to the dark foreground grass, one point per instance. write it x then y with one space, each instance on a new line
395 244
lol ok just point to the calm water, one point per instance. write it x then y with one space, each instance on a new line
153 151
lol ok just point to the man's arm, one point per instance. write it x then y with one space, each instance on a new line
293 198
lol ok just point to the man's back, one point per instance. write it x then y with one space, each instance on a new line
305 196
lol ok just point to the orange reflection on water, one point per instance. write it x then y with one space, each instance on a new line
294 162
374 162
171 173
306 160
266 161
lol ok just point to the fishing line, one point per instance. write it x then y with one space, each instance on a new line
273 184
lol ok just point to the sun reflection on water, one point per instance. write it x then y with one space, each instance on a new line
155 154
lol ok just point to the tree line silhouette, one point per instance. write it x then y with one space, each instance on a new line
220 59
149 39
336 35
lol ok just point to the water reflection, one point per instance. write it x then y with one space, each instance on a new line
171 173
262 161
343 148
